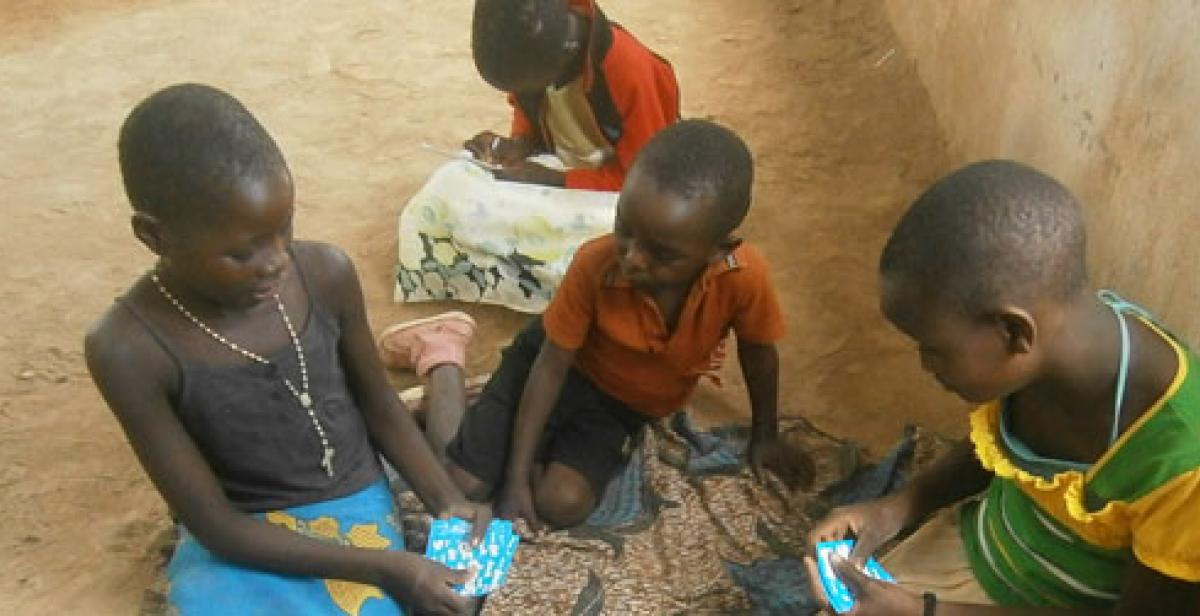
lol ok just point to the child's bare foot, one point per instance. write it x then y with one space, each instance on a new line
425 343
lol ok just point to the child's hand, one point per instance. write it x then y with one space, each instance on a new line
871 596
531 173
516 502
477 514
424 585
872 523
790 463
492 148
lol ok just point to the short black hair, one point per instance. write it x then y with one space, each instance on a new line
702 159
993 231
512 38
183 149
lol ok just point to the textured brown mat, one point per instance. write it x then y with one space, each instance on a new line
674 561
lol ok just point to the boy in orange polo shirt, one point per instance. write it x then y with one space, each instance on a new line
635 323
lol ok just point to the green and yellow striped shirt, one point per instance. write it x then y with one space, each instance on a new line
1066 538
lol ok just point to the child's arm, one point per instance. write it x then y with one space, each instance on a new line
955 476
529 172
511 152
1145 591
760 367
390 425
492 148
506 151
134 375
542 389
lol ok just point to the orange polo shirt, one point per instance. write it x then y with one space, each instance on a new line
621 340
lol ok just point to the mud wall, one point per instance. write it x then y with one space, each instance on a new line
1102 95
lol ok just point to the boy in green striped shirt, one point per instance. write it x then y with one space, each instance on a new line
1078 490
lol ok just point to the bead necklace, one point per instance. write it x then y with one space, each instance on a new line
301 394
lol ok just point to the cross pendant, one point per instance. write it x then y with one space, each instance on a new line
327 461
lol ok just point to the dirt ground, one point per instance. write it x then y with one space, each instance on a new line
841 128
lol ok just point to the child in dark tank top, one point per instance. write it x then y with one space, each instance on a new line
243 372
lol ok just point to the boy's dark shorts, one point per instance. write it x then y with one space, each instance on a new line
588 430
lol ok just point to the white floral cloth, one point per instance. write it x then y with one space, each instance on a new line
469 237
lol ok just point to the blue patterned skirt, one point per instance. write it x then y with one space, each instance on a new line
202 583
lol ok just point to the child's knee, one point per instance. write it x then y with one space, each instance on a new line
564 498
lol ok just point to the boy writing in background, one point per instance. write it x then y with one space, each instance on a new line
585 92
1079 487
581 87
634 325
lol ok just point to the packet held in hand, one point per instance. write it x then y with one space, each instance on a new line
449 544
839 596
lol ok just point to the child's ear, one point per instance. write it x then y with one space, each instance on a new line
1017 328
149 231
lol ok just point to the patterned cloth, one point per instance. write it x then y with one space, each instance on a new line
467 236
1139 499
202 583
707 543
778 585
673 537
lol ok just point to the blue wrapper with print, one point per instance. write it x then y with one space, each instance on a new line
489 562
840 598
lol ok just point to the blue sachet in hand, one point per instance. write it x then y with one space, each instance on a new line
839 596
449 544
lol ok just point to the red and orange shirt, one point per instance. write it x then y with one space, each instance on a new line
643 91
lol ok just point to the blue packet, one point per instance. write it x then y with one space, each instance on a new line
449 544
839 596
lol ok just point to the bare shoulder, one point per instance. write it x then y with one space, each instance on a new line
331 275
325 265
122 355
114 337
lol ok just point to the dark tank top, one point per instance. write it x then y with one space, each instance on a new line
255 436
